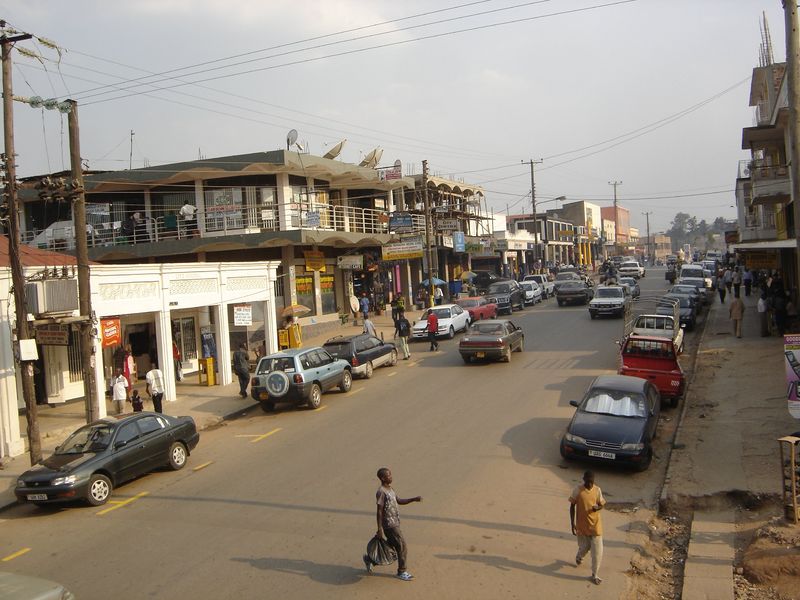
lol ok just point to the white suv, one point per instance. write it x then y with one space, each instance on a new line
548 287
631 268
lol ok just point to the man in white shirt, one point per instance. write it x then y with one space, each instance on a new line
188 213
119 392
155 386
438 295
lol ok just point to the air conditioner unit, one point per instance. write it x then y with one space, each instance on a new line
54 296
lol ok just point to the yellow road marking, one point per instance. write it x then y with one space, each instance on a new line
392 374
413 364
16 554
355 391
248 435
203 466
320 408
266 435
122 503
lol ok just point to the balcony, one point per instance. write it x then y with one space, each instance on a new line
771 183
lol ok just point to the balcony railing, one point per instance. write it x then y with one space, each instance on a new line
760 169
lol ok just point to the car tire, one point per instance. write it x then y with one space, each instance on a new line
645 464
451 333
592 315
267 407
177 456
393 359
315 397
466 358
674 401
467 323
507 355
347 378
368 370
521 347
561 303
99 490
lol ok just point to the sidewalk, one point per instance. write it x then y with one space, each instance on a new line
207 405
735 410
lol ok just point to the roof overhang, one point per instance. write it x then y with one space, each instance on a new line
766 245
760 135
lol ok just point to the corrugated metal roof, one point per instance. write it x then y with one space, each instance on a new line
33 257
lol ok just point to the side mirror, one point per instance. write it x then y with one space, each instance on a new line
120 444
683 326
573 403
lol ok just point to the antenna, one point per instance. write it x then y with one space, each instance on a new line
335 151
291 138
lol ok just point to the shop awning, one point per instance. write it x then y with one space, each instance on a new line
767 245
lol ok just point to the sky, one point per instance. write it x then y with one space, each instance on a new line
650 93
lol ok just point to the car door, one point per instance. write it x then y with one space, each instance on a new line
379 351
127 459
156 440
459 318
654 402
328 375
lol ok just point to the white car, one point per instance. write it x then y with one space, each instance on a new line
548 287
452 318
631 268
533 292
612 300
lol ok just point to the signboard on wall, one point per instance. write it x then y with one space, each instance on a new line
354 262
52 335
315 260
791 352
447 224
401 222
459 241
447 241
313 219
242 315
110 333
402 250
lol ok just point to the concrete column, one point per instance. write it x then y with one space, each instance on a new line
270 317
345 210
200 203
289 292
11 443
318 292
406 283
163 324
390 204
148 214
99 376
285 211
223 338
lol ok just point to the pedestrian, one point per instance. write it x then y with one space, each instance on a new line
188 211
401 304
119 392
438 295
736 313
433 329
722 292
727 279
393 305
155 386
388 518
241 366
369 327
585 505
364 304
747 279
736 278
136 401
402 329
763 317
176 359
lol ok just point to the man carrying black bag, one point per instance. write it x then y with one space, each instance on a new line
388 518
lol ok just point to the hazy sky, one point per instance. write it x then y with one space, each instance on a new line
559 76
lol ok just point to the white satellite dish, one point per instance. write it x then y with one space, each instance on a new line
291 138
369 159
377 158
334 152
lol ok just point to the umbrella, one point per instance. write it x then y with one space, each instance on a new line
295 310
468 275
436 281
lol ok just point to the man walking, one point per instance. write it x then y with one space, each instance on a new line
747 280
369 327
727 279
155 386
364 305
388 518
433 329
188 211
585 505
241 366
402 329
736 313
736 278
119 392
438 295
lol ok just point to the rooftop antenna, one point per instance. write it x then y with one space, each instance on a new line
765 51
291 138
130 156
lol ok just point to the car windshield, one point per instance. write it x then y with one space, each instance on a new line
615 402
648 348
337 348
91 438
608 293
499 288
487 328
628 281
629 265
275 363
683 302
566 276
468 303
441 313
527 286
683 289
570 285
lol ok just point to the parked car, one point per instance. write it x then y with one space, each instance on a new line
610 300
364 352
659 325
483 279
561 278
507 295
23 587
615 422
681 289
688 309
299 376
532 291
452 318
574 292
548 287
633 286
631 268
101 455
654 359
478 307
700 284
492 340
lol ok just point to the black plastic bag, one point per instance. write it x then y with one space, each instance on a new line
380 552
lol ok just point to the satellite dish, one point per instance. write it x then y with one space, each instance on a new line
291 138
377 158
369 159
398 164
334 152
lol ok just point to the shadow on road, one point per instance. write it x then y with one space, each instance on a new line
504 563
525 441
327 574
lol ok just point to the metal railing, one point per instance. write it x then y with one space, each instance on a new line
760 169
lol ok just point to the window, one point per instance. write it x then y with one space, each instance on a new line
184 336
304 288
74 358
127 433
327 289
149 425
322 357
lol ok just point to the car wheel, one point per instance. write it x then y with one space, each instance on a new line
645 464
593 315
673 402
268 407
507 355
99 490
368 369
466 358
521 347
467 323
315 397
451 333
177 456
393 359
347 378
561 302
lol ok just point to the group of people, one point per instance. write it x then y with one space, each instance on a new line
776 311
133 229
122 390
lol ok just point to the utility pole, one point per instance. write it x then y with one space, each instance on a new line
616 219
428 225
649 241
793 74
25 369
82 257
130 156
533 164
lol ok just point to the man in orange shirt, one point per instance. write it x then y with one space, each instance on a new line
585 504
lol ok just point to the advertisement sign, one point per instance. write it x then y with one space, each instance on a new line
353 262
52 335
208 342
401 222
315 260
791 353
393 172
110 333
242 315
312 219
459 241
447 224
447 241
402 250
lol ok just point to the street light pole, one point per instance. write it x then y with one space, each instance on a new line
428 253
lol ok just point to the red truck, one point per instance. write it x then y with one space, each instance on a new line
656 360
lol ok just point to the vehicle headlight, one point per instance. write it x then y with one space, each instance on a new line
20 483
575 439
639 446
67 480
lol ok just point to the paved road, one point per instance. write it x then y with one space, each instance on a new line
286 515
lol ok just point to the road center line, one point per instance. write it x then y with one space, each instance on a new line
355 391
16 554
203 466
392 374
122 503
266 435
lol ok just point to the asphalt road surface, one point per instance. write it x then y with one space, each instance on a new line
282 505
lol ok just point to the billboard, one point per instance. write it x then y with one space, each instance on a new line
402 250
791 353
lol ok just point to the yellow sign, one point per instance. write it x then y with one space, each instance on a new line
402 250
315 260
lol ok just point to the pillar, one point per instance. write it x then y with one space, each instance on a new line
285 210
164 343
99 376
11 443
148 214
289 291
222 335
406 283
200 203
270 316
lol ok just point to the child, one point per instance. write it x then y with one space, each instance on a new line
136 401
389 522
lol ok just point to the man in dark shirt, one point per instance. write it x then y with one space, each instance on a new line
241 366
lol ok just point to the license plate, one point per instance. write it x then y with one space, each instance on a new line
263 395
598 454
480 354
37 496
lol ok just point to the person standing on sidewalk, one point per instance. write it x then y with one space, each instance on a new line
363 304
585 505
721 290
736 278
402 329
763 315
433 329
119 391
241 366
155 386
727 279
747 279
389 522
438 295
736 313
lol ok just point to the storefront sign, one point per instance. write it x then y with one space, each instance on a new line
110 333
447 241
52 335
312 219
401 222
447 224
761 260
353 262
315 260
791 348
242 315
459 241
511 245
402 250
393 172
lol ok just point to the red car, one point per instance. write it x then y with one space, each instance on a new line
478 308
654 359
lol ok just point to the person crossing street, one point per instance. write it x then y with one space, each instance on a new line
433 329
402 329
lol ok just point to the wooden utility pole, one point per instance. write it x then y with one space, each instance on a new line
428 226
649 241
82 257
24 368
793 75
616 218
533 164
